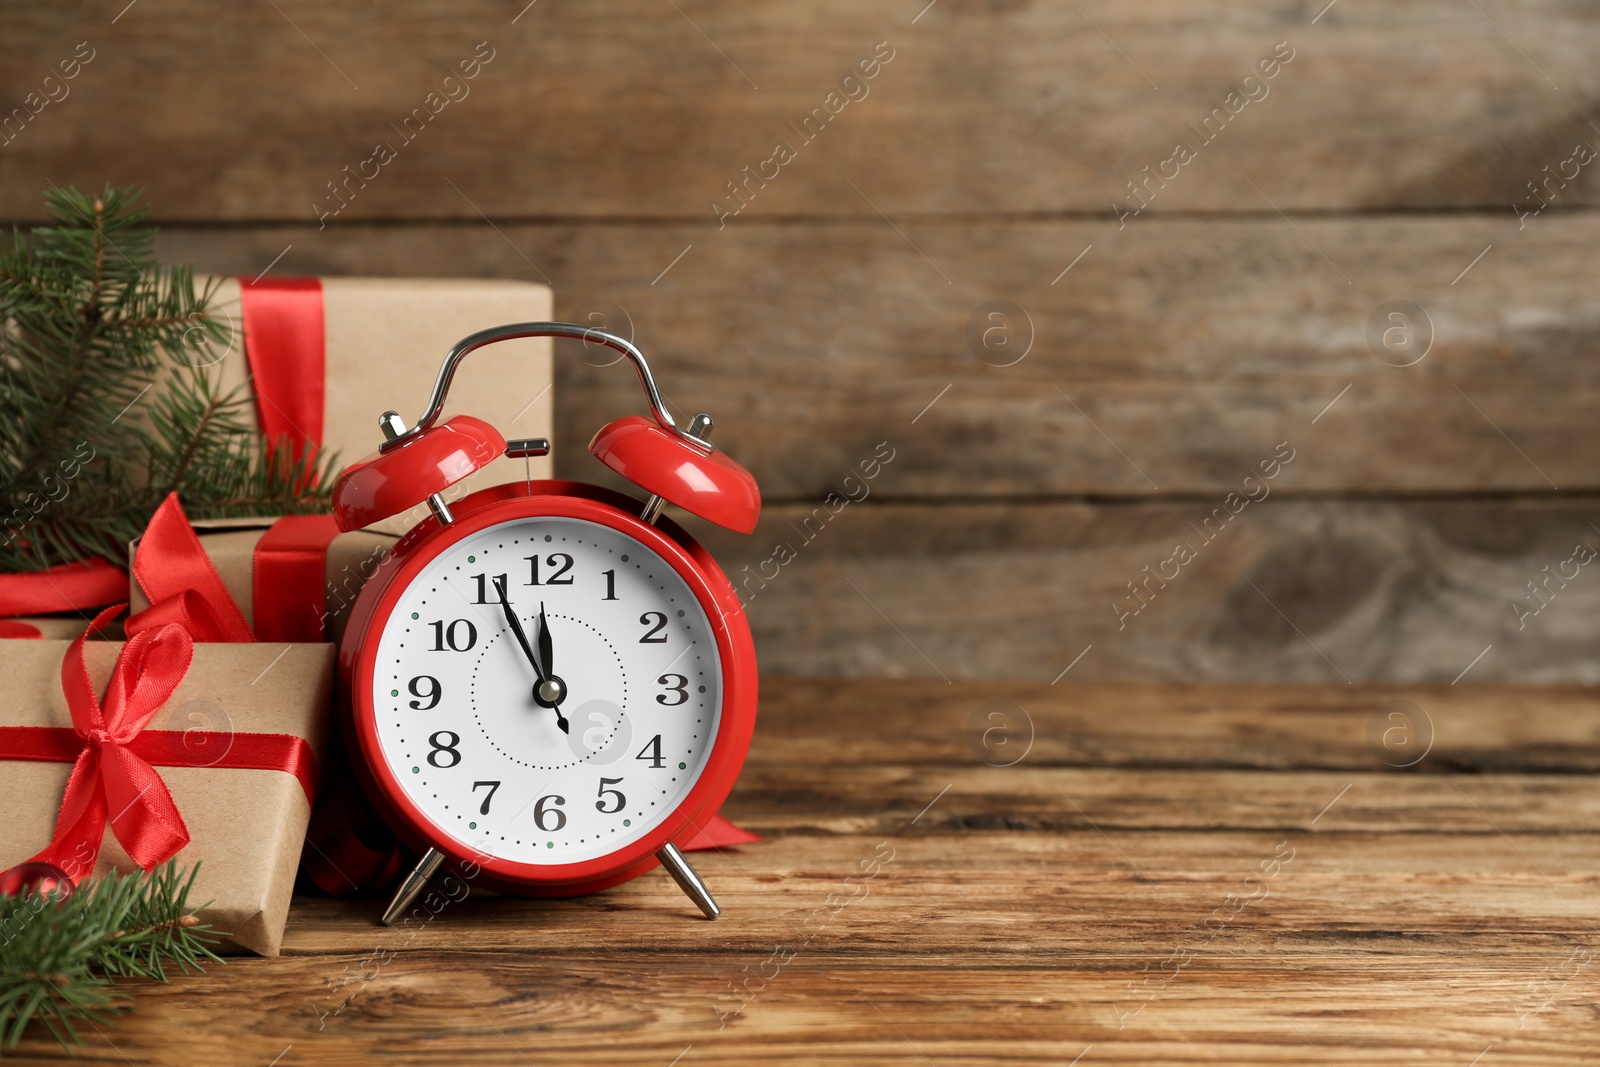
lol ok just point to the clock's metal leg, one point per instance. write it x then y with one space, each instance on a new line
687 880
415 883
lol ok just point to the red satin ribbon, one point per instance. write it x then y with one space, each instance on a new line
175 748
67 587
181 582
113 755
286 345
289 578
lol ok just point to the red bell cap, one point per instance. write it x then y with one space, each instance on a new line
387 483
707 484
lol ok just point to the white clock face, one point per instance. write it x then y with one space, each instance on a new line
633 660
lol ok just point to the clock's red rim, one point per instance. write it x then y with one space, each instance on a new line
378 598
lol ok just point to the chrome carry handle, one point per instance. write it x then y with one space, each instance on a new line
396 435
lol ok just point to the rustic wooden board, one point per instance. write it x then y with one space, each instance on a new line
1421 915
1172 360
1473 728
639 1008
803 799
1329 590
640 109
1399 879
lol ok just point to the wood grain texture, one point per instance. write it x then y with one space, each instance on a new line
636 109
1330 590
1171 360
1167 354
1014 914
1474 729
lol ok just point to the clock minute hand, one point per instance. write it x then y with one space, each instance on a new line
516 628
527 650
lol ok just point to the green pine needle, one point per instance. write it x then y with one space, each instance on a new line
107 398
57 960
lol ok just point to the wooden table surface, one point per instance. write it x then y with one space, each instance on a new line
1169 874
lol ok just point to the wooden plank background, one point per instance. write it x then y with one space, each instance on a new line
1166 354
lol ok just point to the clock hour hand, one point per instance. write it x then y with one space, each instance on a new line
546 646
548 692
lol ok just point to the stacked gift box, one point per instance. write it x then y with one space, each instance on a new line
200 737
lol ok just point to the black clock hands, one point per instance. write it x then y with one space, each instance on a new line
549 691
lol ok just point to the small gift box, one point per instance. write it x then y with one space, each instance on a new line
290 579
124 755
324 357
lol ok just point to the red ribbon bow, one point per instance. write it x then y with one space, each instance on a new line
107 775
114 757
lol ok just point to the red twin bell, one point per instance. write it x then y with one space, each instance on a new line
679 466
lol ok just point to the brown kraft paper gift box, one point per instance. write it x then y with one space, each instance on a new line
231 543
246 827
385 340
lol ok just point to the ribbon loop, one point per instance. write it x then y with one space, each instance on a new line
152 664
66 587
182 583
107 776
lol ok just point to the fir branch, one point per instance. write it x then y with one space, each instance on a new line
207 410
57 960
102 408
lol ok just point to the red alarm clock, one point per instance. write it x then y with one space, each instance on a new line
546 685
